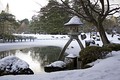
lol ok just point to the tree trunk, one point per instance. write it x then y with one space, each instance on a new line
102 34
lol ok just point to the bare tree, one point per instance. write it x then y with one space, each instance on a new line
94 11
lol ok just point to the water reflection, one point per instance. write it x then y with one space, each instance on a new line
35 57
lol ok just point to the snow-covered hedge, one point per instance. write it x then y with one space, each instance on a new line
92 53
113 47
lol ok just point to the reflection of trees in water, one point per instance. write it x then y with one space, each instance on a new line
6 53
46 54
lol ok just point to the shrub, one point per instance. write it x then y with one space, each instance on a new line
113 47
92 53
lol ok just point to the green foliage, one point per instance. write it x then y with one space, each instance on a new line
92 53
6 17
7 23
51 20
7 37
113 47
35 26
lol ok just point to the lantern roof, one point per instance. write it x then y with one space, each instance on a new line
74 21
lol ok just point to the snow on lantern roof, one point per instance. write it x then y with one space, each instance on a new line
74 21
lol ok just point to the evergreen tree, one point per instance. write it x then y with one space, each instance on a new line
7 23
51 18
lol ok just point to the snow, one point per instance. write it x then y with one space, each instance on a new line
74 21
60 64
82 33
95 62
104 69
71 56
14 62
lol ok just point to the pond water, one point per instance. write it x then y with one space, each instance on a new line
37 58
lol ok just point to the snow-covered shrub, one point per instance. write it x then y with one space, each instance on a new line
98 38
13 65
118 38
92 53
113 47
88 42
83 36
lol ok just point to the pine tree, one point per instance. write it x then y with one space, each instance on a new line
52 18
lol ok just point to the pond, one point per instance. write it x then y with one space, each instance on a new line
36 57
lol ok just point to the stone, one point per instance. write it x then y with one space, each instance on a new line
12 65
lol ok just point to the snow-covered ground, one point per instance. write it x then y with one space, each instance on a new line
51 40
106 69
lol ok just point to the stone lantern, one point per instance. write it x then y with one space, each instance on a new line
73 26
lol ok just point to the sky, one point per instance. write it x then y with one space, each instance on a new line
27 8
23 8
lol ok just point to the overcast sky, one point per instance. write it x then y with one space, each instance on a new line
26 8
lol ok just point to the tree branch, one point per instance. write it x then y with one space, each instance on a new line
113 13
93 7
87 11
115 9
75 12
103 8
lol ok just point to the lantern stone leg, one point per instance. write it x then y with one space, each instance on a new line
68 43
65 47
80 43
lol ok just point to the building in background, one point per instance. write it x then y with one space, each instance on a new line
4 8
1 6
